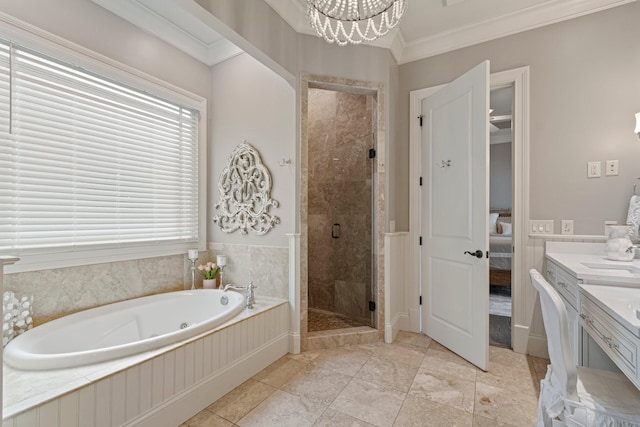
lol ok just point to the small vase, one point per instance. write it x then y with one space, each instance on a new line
209 283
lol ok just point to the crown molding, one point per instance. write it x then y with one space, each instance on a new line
176 25
534 17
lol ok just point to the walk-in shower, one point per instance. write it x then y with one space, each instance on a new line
341 152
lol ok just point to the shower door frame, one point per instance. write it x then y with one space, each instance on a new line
376 89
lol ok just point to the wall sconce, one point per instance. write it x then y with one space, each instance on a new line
637 131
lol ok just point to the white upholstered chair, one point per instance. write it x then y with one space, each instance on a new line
576 396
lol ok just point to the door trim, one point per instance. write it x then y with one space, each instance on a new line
519 78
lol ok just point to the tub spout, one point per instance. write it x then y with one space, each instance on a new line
249 288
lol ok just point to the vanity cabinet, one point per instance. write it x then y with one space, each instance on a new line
567 287
616 341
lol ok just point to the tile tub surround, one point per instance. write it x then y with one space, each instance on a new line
266 266
61 291
140 389
413 381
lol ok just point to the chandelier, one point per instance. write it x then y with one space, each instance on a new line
354 21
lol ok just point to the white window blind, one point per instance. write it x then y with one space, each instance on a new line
89 163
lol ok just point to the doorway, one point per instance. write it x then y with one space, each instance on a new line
356 297
519 80
342 146
500 219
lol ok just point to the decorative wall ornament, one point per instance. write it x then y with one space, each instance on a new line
245 187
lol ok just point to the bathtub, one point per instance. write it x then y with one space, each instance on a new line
121 329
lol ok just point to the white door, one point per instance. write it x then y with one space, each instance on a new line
454 216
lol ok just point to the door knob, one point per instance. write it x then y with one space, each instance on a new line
477 254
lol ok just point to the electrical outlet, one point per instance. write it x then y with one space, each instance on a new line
593 169
544 226
567 226
611 168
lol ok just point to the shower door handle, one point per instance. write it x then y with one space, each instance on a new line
335 231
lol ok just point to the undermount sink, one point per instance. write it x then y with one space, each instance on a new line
628 268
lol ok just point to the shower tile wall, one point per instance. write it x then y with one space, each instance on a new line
340 172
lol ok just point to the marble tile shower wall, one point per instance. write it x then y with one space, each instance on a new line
266 266
63 291
340 192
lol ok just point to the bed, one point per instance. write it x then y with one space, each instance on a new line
500 248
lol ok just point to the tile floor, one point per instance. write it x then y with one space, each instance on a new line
412 382
320 320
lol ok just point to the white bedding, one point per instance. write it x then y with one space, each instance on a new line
500 252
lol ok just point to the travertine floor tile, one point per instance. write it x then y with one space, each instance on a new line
241 400
444 389
441 352
366 385
283 409
437 361
505 406
400 352
519 380
507 357
206 419
280 371
420 412
388 372
373 403
346 360
479 421
333 418
419 340
317 384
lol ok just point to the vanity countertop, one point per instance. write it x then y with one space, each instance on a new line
621 303
587 262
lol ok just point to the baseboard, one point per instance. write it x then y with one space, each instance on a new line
414 320
538 346
193 400
294 342
520 339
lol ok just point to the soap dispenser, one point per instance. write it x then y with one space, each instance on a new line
619 246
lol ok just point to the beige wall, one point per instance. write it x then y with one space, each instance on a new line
250 102
584 93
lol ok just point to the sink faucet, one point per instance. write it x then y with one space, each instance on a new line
631 248
250 295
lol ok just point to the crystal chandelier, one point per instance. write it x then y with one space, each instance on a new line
354 21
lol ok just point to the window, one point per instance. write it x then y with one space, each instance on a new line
91 165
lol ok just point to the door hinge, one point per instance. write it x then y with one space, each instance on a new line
421 181
487 254
372 306
420 242
420 299
420 118
372 153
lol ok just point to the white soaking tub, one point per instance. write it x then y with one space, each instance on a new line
122 329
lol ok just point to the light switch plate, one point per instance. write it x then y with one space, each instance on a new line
594 169
541 226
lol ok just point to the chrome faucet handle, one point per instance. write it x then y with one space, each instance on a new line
631 248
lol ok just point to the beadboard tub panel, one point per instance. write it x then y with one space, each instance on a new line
172 387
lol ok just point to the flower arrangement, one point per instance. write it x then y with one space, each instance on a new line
208 270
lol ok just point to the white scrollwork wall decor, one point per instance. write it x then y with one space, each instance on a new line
245 187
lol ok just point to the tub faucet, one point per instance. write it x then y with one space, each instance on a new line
249 288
